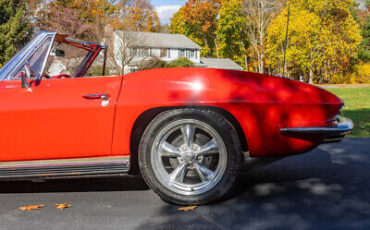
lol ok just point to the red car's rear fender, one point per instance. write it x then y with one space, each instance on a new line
261 105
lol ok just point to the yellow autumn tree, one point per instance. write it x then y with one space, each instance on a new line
323 39
138 15
232 32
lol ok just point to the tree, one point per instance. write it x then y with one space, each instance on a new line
121 53
323 38
232 32
178 24
138 15
65 21
305 41
14 26
83 19
364 49
259 14
131 15
198 21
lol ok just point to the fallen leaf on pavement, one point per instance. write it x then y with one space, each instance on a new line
62 206
187 208
32 207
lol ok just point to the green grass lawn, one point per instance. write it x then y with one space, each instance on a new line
357 108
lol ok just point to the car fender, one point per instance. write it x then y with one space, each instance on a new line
261 104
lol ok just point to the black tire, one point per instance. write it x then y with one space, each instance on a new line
224 129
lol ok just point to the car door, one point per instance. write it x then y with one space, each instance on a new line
57 118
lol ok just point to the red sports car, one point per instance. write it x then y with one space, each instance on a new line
188 130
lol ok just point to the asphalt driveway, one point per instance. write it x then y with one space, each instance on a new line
328 188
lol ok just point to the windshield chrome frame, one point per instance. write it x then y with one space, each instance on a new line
22 56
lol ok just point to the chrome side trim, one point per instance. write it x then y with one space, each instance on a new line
66 168
343 125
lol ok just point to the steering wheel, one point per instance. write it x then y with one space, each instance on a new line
62 76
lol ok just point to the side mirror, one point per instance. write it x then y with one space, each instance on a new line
60 53
25 83
25 75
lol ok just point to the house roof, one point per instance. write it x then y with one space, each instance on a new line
220 63
161 40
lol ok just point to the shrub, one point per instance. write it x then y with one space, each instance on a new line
181 62
343 79
364 73
152 63
97 70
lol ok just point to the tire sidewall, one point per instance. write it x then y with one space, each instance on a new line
222 127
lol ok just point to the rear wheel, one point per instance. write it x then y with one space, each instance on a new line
190 156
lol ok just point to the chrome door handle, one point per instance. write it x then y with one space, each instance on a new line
103 96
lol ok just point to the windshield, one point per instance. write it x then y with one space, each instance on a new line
33 56
36 61
70 57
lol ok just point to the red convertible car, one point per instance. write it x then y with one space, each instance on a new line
188 130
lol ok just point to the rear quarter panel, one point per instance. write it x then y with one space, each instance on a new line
261 104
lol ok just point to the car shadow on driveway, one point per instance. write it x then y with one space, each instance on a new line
124 183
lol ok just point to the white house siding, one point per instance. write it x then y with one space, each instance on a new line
173 43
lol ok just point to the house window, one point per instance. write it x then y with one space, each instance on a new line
134 52
191 54
181 53
164 52
140 52
144 52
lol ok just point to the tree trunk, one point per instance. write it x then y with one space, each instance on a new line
216 47
246 62
310 77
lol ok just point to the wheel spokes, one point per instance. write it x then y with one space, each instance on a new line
179 173
204 173
168 150
209 148
188 132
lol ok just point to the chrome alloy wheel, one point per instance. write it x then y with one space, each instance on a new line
188 157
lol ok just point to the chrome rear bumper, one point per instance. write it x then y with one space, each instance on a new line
334 133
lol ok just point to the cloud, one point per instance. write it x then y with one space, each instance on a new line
166 12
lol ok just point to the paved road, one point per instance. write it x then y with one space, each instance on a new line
328 188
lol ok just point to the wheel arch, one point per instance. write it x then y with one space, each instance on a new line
142 122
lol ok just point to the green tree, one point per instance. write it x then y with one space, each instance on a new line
232 32
15 31
198 21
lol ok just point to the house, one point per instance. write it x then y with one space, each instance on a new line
143 45
131 48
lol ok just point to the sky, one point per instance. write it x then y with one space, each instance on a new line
166 8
